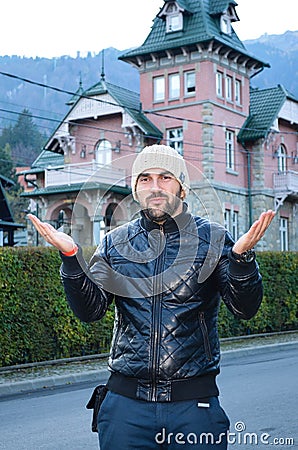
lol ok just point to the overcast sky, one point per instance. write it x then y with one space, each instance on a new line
63 27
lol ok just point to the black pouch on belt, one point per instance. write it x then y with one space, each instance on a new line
95 402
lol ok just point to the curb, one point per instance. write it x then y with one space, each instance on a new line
23 387
100 375
229 355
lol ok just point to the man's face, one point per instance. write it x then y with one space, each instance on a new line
159 193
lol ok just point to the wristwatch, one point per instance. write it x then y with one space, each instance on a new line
245 257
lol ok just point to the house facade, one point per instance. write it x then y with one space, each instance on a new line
240 144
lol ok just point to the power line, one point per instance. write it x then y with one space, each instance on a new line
121 133
83 142
64 91
192 154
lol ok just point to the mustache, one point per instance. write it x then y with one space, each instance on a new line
157 195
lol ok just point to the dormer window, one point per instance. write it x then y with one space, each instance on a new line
225 24
227 18
173 15
174 22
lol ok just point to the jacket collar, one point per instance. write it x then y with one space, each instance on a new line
171 225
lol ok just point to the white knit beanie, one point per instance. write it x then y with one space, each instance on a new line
163 157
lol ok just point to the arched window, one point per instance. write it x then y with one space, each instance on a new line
103 152
282 158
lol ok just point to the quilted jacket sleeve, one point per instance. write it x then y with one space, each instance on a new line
240 284
88 300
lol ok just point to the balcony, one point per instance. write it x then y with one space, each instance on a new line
285 184
85 172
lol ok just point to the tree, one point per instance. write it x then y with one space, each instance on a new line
24 138
7 169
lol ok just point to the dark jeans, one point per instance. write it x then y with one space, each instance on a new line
127 424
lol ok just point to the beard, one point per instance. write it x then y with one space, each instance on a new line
164 211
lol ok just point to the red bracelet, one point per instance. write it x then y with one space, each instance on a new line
72 252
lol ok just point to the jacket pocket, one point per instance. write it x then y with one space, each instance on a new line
204 331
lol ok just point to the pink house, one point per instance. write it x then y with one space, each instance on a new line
240 144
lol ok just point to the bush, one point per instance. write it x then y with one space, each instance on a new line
279 308
37 323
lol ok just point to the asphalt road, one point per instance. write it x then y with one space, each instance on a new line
258 392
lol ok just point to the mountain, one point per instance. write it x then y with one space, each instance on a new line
44 86
281 52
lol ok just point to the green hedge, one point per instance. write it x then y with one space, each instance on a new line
37 324
279 308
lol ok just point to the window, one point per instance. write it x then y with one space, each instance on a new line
235 222
174 18
159 89
226 18
219 79
174 22
174 86
229 88
189 83
282 158
83 152
230 150
225 24
238 92
231 218
103 152
175 139
283 231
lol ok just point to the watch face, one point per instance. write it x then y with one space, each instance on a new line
248 256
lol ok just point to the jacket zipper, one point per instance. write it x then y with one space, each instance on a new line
119 325
156 320
204 330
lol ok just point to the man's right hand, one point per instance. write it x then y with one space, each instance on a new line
62 241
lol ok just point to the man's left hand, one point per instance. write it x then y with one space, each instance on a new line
255 233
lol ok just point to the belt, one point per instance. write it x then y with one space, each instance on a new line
201 387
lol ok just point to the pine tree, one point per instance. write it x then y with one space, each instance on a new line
7 169
24 138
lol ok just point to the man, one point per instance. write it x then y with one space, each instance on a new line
166 272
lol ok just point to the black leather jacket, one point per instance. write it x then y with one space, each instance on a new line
166 283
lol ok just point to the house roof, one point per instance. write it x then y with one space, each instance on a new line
6 181
130 101
125 98
183 4
76 95
218 6
201 25
44 160
265 105
7 226
48 159
77 187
